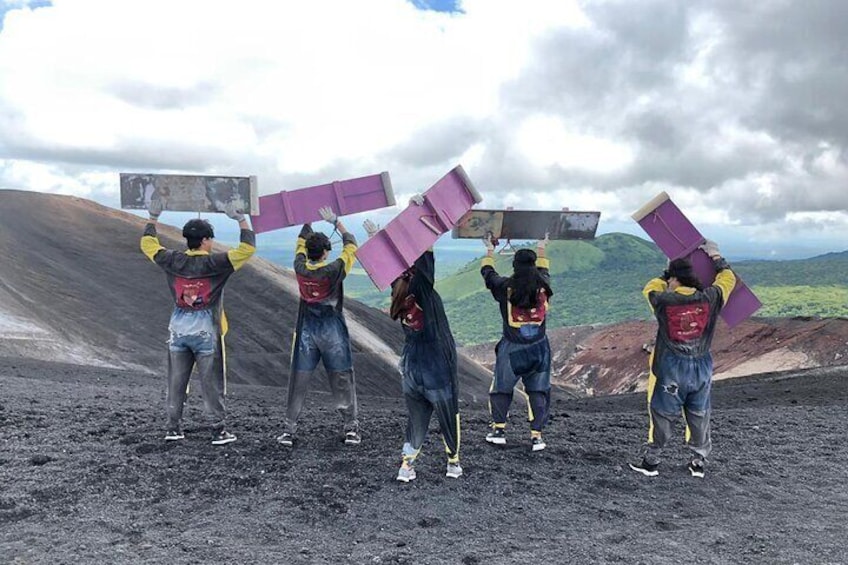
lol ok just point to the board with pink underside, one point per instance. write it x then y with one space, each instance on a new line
295 207
393 249
676 237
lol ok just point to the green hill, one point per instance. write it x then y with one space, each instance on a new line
600 281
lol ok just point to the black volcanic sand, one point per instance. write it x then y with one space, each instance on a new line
86 478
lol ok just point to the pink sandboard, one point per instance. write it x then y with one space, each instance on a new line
295 207
675 235
393 249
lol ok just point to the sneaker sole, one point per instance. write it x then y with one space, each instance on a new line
286 443
645 472
353 441
405 479
174 438
496 440
697 474
223 441
539 447
453 475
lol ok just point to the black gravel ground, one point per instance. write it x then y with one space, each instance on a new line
86 478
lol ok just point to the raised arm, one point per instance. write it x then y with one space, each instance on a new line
150 245
247 239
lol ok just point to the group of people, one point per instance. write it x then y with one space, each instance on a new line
681 364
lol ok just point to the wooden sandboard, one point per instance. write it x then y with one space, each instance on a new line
189 193
393 249
675 235
295 207
527 224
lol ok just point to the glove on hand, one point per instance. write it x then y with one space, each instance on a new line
417 199
370 227
328 214
710 248
487 241
155 208
233 212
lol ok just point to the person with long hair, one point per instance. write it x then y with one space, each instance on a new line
428 363
681 365
523 352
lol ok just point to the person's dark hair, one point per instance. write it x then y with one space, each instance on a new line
400 290
681 269
526 281
316 244
195 230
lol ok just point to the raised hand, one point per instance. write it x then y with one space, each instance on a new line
417 199
155 208
710 247
328 215
370 227
232 211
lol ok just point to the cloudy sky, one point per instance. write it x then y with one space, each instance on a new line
736 109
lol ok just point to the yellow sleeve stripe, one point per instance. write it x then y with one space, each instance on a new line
654 285
150 246
239 256
300 246
543 263
726 281
348 256
487 262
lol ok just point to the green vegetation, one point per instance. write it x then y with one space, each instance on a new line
789 301
600 281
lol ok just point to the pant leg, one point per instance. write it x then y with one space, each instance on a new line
664 405
211 371
540 402
662 426
447 413
298 387
419 410
700 441
180 364
697 408
503 383
343 387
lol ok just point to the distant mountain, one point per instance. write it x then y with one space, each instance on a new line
600 282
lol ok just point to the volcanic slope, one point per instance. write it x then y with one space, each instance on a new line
75 287
86 478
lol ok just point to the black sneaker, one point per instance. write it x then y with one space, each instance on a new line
697 467
647 469
497 436
174 435
352 438
222 437
286 439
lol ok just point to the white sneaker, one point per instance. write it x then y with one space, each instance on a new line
454 471
406 474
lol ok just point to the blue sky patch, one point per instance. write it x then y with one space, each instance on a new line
437 5
7 6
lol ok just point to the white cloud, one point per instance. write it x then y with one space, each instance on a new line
549 103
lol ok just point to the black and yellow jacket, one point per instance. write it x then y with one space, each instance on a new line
686 316
512 320
196 278
320 282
